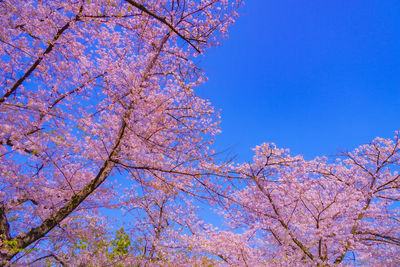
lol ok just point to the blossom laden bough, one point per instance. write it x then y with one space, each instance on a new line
92 89
320 212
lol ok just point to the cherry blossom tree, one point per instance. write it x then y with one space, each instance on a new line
95 90
322 212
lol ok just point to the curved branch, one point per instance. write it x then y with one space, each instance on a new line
162 20
49 256
39 59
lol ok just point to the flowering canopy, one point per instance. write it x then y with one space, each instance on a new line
98 111
318 212
91 89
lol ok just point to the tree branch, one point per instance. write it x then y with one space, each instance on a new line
24 240
4 226
283 224
162 20
49 256
39 59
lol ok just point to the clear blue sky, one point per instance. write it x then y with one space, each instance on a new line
317 77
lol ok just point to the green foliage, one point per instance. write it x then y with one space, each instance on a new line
120 245
12 246
82 244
